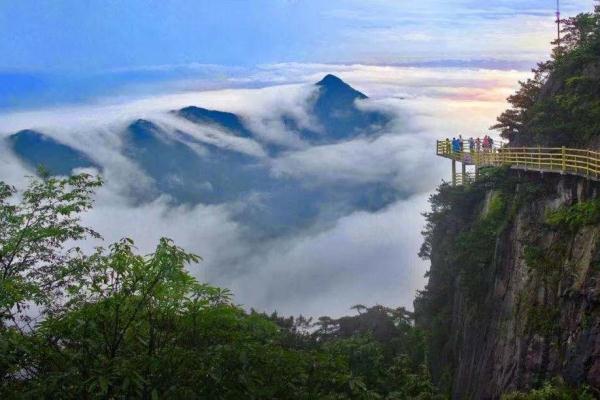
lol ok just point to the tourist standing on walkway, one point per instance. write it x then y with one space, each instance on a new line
457 146
486 143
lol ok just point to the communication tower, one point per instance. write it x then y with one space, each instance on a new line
558 22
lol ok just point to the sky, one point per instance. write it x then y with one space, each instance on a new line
76 50
80 71
100 35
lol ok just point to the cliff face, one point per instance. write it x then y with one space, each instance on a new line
513 295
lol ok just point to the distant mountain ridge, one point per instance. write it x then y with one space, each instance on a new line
38 150
221 119
180 171
190 170
334 106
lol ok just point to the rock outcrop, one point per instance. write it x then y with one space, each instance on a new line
526 308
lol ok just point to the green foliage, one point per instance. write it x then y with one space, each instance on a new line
117 325
535 258
560 105
555 390
496 208
542 319
473 248
452 207
32 236
576 216
547 266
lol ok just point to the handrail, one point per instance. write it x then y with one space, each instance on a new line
581 162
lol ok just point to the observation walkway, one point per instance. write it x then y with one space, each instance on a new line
561 160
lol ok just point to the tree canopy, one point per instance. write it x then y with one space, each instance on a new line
115 324
560 104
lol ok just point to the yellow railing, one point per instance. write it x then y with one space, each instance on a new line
551 159
463 179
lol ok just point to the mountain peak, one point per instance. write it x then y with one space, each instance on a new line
330 79
333 83
37 149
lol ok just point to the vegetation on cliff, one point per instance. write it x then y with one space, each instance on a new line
560 105
461 238
511 301
555 390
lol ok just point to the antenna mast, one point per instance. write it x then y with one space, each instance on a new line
558 22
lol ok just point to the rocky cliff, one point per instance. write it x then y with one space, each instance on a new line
513 295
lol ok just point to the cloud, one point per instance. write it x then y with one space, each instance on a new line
208 231
359 256
208 134
366 258
384 31
392 158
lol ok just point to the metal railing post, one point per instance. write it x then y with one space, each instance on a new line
453 172
587 170
564 159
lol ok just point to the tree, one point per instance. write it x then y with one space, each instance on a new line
33 234
579 31
560 105
513 122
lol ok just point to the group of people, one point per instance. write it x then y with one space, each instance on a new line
457 145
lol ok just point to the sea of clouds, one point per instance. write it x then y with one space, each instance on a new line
357 256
